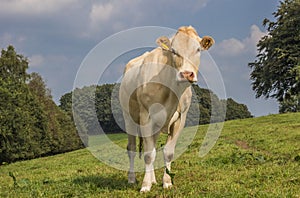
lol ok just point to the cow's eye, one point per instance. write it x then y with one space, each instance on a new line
198 49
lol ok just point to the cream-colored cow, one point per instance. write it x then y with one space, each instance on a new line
155 96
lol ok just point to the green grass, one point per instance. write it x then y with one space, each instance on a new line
257 157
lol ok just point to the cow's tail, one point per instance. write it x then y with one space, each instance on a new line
140 146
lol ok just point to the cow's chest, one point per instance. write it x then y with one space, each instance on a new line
154 93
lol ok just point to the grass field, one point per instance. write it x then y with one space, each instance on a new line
258 157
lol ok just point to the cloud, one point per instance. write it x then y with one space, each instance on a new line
36 60
5 39
255 36
92 20
235 47
10 39
33 7
101 12
112 16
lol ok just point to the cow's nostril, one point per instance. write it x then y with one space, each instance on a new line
182 74
187 75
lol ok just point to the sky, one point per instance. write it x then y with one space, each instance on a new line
57 35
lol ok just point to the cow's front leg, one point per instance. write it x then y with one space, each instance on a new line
169 149
168 157
149 157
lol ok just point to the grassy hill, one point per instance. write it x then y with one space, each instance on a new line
258 157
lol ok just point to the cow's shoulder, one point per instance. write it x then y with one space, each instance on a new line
136 61
157 55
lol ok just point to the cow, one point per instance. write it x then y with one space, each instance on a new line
155 95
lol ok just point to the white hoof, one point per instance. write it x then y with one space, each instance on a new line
145 189
167 185
167 181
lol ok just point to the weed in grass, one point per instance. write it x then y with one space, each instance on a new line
14 178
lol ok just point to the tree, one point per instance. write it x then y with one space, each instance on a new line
276 70
235 110
21 123
31 125
13 66
60 132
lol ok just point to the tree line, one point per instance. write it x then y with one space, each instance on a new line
103 101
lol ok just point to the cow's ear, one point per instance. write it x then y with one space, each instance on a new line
164 42
206 42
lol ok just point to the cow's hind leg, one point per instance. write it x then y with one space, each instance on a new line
131 150
132 131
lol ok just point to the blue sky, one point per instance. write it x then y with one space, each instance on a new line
56 35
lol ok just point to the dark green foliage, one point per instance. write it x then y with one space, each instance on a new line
103 100
211 108
94 102
21 118
276 70
106 102
31 125
291 104
236 111
60 132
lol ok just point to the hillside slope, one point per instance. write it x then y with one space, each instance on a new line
257 157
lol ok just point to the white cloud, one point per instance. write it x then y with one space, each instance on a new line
101 12
111 16
230 47
235 47
10 39
36 60
33 7
5 39
115 15
255 36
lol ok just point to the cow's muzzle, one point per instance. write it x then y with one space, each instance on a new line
187 76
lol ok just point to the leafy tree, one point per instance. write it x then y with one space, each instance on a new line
31 125
60 132
13 66
235 110
21 123
276 70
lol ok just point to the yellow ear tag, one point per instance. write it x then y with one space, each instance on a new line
164 46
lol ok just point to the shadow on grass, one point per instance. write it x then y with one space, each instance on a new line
112 182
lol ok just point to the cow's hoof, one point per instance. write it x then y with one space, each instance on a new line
167 185
167 181
131 178
145 189
131 181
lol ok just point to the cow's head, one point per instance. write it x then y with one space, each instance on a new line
185 47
